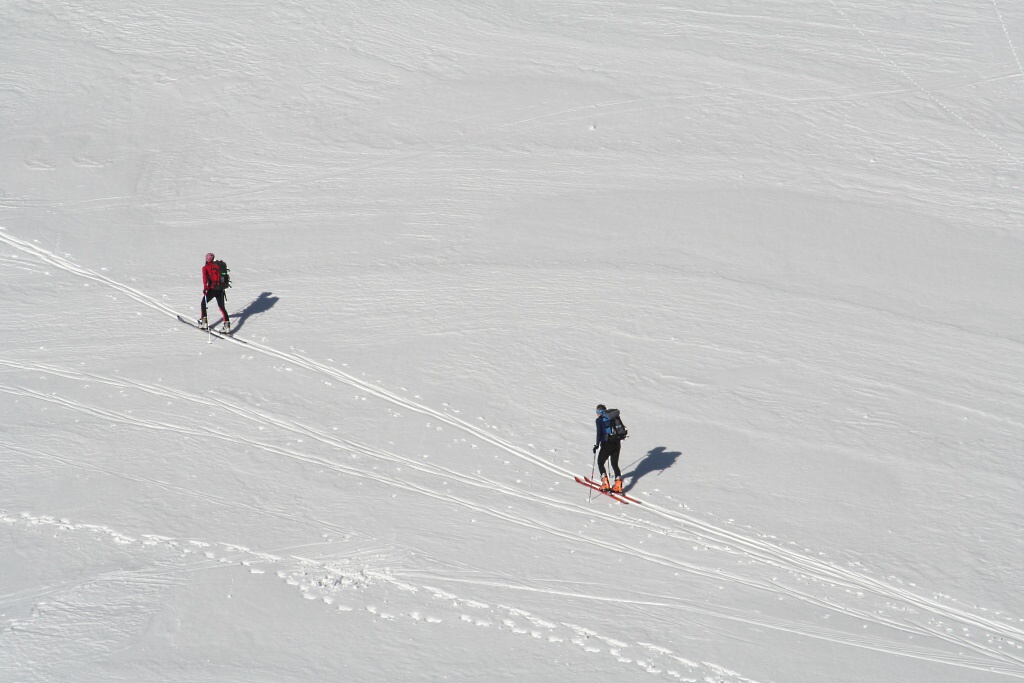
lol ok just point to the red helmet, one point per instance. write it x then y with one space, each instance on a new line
209 257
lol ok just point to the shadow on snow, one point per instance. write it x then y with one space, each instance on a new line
264 302
657 460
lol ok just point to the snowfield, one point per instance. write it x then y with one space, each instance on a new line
784 238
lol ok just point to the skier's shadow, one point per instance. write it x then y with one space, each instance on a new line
264 302
657 460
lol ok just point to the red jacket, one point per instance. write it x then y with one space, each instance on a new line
211 276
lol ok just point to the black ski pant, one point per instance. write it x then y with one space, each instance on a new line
609 450
217 294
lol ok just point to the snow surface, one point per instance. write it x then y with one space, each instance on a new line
784 238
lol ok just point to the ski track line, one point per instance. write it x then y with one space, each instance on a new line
517 519
261 417
294 359
715 574
753 619
718 574
376 391
837 575
336 576
930 95
181 490
257 416
317 580
1009 41
917 391
760 549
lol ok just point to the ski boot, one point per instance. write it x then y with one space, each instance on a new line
617 487
604 483
227 327
201 324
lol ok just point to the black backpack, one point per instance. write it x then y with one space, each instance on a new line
225 276
613 426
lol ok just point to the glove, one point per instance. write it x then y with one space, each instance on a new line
595 449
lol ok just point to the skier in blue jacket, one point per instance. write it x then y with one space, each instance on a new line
610 444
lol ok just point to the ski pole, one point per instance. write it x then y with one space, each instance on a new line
590 496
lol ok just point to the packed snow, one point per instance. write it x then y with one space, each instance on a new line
783 238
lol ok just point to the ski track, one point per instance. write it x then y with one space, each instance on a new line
841 579
1009 41
355 577
935 630
692 528
926 92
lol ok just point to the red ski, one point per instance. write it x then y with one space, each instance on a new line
597 487
631 499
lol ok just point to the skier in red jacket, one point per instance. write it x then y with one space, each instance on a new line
213 288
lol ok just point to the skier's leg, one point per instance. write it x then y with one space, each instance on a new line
617 486
220 304
614 455
602 458
202 308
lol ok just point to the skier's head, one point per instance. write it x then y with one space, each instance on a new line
209 257
601 408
